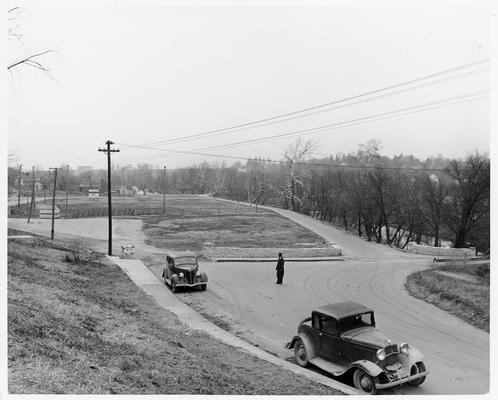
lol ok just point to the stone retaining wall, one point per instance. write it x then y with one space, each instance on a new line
448 252
268 252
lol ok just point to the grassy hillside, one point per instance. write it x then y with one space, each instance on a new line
86 328
459 288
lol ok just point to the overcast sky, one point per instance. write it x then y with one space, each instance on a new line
142 74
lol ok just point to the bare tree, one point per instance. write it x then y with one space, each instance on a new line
468 199
33 59
295 154
432 198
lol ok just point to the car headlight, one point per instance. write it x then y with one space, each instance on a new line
404 348
198 273
181 275
381 354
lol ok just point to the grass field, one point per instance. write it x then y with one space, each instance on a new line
189 221
87 329
459 288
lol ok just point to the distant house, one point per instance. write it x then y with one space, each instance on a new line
93 193
28 182
46 211
85 189
38 184
136 190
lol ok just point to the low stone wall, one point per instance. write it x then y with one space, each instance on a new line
268 252
446 252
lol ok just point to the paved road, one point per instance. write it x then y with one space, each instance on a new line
245 297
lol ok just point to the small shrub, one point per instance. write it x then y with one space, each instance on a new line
78 253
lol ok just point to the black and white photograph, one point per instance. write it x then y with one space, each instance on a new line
279 198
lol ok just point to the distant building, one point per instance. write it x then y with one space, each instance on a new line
46 211
28 181
38 184
85 189
93 193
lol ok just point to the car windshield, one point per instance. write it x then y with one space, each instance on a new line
356 321
185 261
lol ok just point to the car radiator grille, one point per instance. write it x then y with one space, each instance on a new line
391 354
189 276
391 359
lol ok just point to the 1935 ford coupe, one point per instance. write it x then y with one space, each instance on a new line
341 339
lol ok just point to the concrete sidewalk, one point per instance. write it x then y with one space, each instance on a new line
150 284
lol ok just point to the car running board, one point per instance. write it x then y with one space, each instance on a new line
330 367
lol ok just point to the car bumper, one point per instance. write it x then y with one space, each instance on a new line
401 381
185 284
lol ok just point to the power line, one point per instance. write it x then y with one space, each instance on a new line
314 164
471 96
230 128
357 121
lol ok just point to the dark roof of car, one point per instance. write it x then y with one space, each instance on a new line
179 254
343 309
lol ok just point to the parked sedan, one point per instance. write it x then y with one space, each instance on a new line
182 270
341 338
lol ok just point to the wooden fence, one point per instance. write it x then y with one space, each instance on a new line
22 212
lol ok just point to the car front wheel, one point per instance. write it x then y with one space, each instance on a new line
174 280
300 354
365 382
417 368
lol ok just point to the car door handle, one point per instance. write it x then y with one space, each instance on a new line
320 334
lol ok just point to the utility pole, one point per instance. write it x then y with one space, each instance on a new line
19 187
108 151
65 184
53 203
32 196
123 183
164 191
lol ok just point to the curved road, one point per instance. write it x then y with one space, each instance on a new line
245 297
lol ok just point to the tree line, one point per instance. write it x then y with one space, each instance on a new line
390 200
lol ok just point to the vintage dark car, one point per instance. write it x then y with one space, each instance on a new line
182 270
342 339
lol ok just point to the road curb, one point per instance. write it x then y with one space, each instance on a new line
310 259
150 284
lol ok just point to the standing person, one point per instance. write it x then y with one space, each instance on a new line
280 268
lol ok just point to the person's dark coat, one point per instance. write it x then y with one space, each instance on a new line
280 269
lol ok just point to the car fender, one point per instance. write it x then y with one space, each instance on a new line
175 278
308 345
410 358
203 277
369 367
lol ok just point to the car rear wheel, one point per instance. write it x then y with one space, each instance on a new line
417 368
300 354
365 382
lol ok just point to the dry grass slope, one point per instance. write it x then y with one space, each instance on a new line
465 294
86 329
